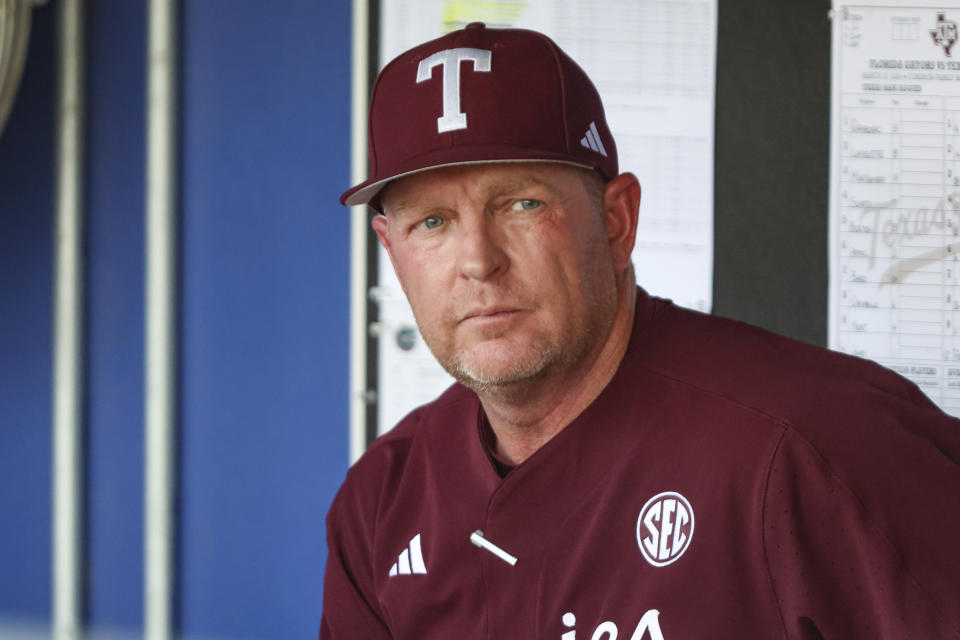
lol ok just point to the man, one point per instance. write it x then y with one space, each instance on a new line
609 465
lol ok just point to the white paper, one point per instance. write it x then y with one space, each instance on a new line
654 64
895 191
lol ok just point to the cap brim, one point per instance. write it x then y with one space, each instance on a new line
367 192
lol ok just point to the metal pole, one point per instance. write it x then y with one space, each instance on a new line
68 327
161 310
359 228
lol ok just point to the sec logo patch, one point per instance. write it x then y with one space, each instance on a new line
665 528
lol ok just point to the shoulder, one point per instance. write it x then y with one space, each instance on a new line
867 502
863 455
456 405
848 409
794 382
377 475
872 429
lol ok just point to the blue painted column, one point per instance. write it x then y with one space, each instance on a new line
26 261
265 152
115 228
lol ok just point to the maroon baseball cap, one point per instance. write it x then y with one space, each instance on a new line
482 95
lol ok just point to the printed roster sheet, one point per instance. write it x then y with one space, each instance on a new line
895 191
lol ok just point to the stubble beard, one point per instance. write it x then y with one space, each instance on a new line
515 377
546 357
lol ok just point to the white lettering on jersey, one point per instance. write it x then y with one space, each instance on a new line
648 628
450 59
605 628
665 528
569 620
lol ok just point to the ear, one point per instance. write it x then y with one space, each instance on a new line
621 207
381 226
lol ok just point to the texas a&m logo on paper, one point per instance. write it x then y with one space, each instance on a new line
665 528
945 35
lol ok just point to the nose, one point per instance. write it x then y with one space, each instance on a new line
480 254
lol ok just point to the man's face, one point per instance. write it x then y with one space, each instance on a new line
507 267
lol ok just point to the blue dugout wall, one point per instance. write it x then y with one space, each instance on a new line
26 267
263 326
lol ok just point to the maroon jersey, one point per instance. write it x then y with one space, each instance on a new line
728 483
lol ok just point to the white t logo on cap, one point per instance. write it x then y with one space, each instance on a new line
450 59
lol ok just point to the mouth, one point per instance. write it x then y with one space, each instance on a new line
486 315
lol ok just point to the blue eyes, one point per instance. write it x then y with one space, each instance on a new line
527 204
432 222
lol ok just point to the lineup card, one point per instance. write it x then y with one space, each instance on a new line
654 64
895 191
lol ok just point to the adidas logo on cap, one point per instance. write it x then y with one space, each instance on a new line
591 140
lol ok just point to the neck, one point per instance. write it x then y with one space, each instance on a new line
524 420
